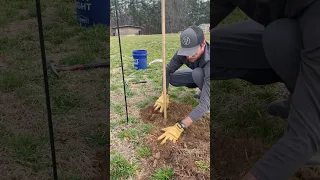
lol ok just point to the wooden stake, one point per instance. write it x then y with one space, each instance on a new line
164 58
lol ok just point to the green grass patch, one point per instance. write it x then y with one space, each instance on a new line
249 118
113 152
59 33
144 152
32 94
63 100
129 134
146 128
189 99
130 92
77 58
98 33
146 102
11 80
230 86
97 137
66 13
151 76
131 120
32 12
7 44
121 168
163 174
183 94
114 87
266 94
118 108
203 165
246 111
95 40
27 148
236 16
19 4
10 10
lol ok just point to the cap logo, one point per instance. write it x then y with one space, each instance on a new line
186 40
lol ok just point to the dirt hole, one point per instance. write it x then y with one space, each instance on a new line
189 157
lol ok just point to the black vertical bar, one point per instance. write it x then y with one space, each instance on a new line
45 74
124 84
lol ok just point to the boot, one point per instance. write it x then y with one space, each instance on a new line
280 108
314 160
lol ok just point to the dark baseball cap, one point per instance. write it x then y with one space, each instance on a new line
190 39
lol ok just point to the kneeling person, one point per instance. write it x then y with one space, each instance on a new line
195 53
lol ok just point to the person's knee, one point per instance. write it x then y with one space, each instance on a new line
175 84
281 40
282 43
197 75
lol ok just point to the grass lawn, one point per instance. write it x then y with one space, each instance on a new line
128 145
78 98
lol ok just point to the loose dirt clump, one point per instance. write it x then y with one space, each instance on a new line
235 153
189 157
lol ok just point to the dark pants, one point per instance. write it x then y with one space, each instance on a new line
288 51
248 51
188 77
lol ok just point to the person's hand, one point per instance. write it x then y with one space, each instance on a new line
171 133
160 103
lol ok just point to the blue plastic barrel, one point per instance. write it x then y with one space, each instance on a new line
140 59
90 12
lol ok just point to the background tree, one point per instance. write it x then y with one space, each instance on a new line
147 14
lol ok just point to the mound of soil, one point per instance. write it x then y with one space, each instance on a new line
235 153
191 149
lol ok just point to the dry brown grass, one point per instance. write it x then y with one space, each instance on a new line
78 102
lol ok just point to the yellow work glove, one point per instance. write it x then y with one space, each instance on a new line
160 103
172 133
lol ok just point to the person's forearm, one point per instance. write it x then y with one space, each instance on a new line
204 105
187 121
